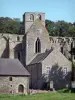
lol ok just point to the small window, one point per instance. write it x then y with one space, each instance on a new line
65 71
62 50
18 38
48 70
10 78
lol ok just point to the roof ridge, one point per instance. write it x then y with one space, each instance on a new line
61 54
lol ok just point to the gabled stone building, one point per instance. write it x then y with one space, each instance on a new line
14 78
39 55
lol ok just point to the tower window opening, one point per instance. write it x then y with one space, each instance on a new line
39 16
31 17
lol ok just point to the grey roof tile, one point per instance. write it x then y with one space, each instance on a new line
40 57
12 67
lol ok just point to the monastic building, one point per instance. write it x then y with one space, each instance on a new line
46 58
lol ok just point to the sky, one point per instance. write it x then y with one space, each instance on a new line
54 9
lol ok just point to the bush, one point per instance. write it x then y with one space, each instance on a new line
64 90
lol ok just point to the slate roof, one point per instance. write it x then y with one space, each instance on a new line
12 67
40 57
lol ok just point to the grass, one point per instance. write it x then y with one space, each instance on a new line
41 96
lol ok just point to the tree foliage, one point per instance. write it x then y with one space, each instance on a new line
8 25
59 28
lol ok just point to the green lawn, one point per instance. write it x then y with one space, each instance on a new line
41 96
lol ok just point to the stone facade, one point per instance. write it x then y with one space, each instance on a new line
10 46
31 38
24 48
51 69
30 17
12 86
58 69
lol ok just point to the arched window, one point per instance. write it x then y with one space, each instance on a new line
39 16
21 88
37 46
10 78
31 17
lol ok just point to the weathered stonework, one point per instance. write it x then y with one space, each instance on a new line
7 86
34 28
28 21
31 37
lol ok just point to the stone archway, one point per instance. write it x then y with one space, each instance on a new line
20 88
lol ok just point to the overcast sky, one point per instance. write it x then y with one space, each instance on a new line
55 9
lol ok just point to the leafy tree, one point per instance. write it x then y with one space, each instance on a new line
7 25
71 31
59 28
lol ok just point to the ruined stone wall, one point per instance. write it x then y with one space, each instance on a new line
63 44
10 45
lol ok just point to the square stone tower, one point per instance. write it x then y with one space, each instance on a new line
36 38
30 17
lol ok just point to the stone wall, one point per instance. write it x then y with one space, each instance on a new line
35 71
7 86
10 45
36 31
59 68
28 21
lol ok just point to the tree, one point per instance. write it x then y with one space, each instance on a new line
71 31
50 25
60 28
7 25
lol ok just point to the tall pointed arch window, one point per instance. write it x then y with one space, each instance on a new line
37 46
31 17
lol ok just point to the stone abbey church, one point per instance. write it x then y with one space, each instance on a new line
34 60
